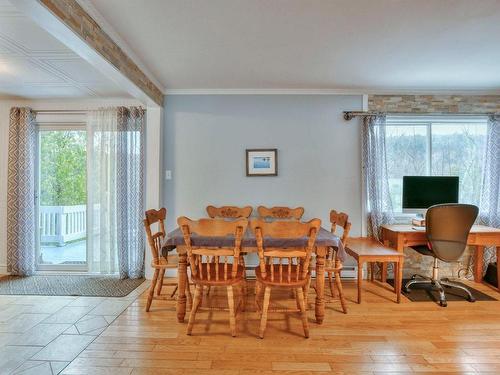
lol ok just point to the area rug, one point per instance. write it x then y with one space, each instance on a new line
423 293
68 285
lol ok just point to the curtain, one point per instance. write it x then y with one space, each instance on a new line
489 207
116 190
21 193
130 192
379 205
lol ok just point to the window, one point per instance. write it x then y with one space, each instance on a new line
61 241
436 146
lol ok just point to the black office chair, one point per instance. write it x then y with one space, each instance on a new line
447 229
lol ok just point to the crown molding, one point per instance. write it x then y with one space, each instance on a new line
262 92
370 91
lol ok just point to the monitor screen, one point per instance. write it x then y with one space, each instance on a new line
421 192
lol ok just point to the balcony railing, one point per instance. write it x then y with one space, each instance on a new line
62 224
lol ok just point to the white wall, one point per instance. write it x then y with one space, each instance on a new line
319 163
59 104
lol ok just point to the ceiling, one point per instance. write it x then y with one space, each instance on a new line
33 64
315 44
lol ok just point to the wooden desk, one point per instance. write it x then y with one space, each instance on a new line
401 236
365 249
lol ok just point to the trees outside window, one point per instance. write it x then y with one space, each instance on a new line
436 147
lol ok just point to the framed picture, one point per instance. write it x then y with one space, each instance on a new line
262 162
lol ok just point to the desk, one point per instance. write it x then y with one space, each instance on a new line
481 236
365 249
324 240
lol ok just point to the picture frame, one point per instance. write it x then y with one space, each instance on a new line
262 162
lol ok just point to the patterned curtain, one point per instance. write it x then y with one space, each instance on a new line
115 191
21 193
489 207
130 192
375 174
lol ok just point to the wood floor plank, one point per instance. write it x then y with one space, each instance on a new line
376 337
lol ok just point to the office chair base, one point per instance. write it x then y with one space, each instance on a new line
438 285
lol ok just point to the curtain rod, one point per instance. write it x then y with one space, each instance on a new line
60 111
69 111
349 115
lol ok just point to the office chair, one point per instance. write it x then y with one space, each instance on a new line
447 229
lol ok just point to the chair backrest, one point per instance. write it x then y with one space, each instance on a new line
297 258
340 219
280 212
209 258
447 228
229 212
154 239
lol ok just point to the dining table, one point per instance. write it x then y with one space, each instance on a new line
324 240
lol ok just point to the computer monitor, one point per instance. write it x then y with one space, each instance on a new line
421 192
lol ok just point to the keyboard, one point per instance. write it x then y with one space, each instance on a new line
419 228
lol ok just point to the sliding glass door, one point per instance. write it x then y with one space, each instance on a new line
62 198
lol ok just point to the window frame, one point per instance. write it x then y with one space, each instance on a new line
428 121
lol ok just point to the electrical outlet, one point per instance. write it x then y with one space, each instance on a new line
168 174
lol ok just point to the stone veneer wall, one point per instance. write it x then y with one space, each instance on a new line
438 104
75 17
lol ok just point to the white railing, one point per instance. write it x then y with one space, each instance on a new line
61 224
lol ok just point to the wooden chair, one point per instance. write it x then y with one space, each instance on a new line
215 266
285 213
159 262
332 265
284 268
229 212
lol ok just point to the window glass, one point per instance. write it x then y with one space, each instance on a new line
440 147
407 154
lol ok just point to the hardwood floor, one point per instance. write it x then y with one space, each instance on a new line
376 337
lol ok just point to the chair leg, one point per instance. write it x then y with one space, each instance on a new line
174 291
338 282
232 318
244 291
194 308
160 282
303 311
188 293
152 289
265 308
306 292
330 283
258 296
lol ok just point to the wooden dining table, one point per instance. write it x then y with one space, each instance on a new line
324 240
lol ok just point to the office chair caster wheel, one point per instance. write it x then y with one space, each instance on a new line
443 303
471 299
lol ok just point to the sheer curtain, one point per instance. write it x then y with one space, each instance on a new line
21 193
115 191
379 205
489 207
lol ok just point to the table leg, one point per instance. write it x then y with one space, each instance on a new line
383 272
478 264
182 280
360 279
320 285
398 279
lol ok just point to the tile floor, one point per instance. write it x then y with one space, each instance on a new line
42 335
